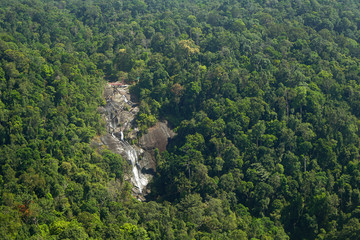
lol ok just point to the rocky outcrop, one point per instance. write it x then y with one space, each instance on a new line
119 114
157 137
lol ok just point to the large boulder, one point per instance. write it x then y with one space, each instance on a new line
156 137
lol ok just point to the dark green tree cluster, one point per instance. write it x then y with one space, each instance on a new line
264 97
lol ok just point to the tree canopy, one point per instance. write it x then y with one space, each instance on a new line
264 97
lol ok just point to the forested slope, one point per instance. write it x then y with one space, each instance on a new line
264 97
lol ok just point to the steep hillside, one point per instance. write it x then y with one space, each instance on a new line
263 96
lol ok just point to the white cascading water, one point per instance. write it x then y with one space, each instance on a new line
139 179
119 114
125 99
122 136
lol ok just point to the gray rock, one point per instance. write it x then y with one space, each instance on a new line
157 137
119 114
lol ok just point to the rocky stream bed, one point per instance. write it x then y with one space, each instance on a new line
119 114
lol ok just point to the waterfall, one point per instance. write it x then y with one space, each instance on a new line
116 110
119 114
125 99
122 136
139 179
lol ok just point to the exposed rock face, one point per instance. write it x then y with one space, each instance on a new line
119 113
157 137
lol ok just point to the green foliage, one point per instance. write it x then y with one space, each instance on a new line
263 95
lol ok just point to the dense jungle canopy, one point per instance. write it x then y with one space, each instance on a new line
264 96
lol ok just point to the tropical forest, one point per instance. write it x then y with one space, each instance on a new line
180 119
